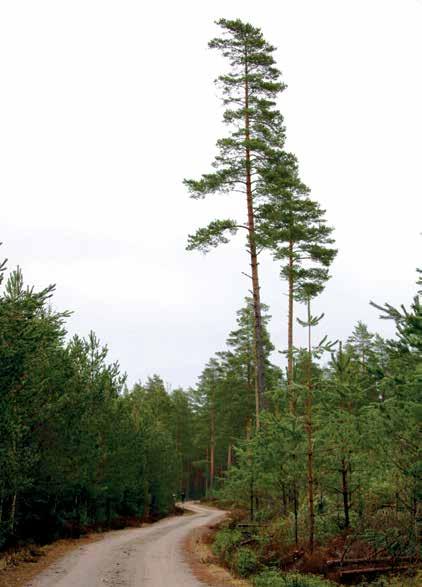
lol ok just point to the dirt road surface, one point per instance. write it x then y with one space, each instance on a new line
136 557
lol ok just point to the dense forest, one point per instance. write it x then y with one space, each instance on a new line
322 446
78 448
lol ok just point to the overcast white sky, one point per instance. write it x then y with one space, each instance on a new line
105 106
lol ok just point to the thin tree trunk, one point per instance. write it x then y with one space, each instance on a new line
345 493
290 367
292 400
108 511
252 475
207 477
251 498
350 481
417 524
310 439
13 513
294 487
212 447
284 499
296 511
258 339
229 456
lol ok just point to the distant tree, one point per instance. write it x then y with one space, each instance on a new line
408 323
30 333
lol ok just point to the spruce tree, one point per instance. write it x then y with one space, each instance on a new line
249 90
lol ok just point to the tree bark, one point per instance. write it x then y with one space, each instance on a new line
252 475
345 493
229 456
292 400
212 443
251 499
13 513
310 440
296 511
207 477
284 500
258 339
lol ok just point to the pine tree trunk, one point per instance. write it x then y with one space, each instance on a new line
212 447
258 339
108 511
295 489
296 511
207 477
13 513
292 400
284 500
252 477
345 493
417 521
251 499
309 432
350 480
229 456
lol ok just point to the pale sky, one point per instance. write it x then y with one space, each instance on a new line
105 106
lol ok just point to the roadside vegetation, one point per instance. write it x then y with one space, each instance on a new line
79 450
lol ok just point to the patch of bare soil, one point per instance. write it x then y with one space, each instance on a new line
17 568
204 564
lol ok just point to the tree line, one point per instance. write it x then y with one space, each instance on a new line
78 448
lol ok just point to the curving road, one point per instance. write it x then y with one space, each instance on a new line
150 556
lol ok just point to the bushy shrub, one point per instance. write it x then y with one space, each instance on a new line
281 533
224 542
275 579
245 562
392 532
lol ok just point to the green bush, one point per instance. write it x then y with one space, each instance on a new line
224 542
245 562
275 579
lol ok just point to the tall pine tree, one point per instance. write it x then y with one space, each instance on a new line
249 90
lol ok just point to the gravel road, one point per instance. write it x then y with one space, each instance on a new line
150 556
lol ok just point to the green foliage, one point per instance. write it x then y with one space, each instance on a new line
224 399
225 542
293 228
211 236
276 579
249 91
76 447
366 448
245 561
409 579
